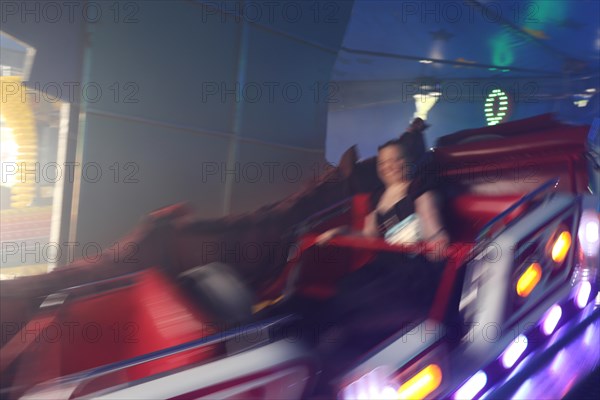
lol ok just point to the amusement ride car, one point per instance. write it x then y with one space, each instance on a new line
515 313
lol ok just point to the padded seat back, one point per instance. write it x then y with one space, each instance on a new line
361 207
468 213
146 315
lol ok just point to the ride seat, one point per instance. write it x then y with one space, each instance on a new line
141 314
468 213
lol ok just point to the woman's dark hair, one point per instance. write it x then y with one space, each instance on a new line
393 142
409 158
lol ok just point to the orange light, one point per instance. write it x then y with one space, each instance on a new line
561 246
422 384
529 279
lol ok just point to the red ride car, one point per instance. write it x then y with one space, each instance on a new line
187 317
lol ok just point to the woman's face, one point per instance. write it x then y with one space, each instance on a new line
391 166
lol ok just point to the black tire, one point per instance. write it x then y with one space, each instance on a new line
220 290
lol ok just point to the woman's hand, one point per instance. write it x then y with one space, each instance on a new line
326 236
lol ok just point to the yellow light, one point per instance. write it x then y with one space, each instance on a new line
422 384
529 280
561 246
10 153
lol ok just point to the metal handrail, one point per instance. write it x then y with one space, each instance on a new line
220 337
122 278
321 216
489 228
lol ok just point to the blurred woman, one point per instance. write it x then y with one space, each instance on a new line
396 288
399 215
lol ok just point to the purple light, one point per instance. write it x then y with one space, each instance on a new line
372 385
573 362
589 333
588 233
550 320
363 387
389 393
350 391
514 351
524 391
558 364
583 294
472 386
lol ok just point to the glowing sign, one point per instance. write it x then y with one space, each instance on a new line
496 107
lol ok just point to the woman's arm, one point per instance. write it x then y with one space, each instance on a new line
431 225
370 227
369 230
326 236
